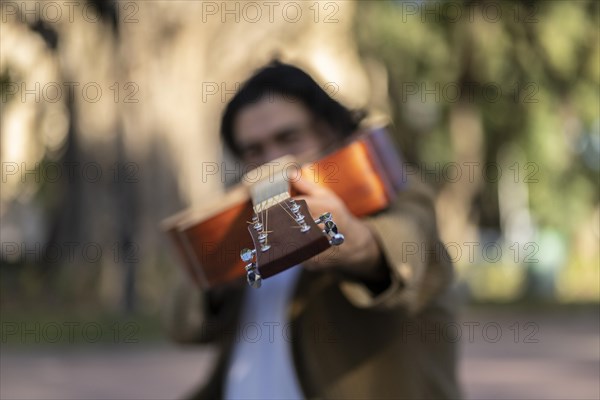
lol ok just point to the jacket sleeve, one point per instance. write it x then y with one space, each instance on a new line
194 315
419 265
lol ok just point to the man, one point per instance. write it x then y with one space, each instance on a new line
368 319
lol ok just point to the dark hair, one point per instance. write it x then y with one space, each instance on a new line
290 82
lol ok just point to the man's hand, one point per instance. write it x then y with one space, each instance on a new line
359 255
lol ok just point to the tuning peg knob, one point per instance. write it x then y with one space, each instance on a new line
254 279
247 255
252 276
330 226
337 239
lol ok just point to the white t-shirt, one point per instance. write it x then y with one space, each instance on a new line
261 365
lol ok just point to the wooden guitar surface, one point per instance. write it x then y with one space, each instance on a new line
365 174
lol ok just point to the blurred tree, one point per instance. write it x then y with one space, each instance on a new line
470 81
165 78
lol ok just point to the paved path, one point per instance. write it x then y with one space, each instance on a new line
554 356
545 356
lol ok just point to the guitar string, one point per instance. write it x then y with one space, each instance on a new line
292 216
288 212
266 226
266 217
264 213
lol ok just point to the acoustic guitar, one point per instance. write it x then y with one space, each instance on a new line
257 229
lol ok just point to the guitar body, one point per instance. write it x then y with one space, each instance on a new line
365 174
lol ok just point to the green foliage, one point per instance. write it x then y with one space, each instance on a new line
543 57
530 73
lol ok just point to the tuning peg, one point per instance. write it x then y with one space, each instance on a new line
331 229
323 218
252 276
262 239
337 239
330 226
246 255
294 207
254 279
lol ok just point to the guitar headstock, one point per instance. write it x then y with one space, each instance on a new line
284 235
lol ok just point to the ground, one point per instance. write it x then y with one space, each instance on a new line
505 355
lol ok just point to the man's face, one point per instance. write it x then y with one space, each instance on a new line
274 127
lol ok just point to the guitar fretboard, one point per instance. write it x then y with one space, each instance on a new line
269 192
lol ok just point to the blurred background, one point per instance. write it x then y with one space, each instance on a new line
110 114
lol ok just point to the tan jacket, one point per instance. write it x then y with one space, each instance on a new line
347 342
